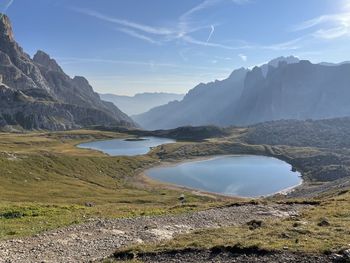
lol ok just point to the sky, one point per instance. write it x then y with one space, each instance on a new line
132 46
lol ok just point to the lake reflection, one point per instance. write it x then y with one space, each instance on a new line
246 175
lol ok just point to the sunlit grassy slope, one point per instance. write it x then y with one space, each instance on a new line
46 182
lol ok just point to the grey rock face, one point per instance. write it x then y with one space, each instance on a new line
206 104
284 88
37 94
295 91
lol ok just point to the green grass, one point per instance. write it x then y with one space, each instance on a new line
28 219
45 182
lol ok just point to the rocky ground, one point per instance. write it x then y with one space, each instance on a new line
194 256
98 239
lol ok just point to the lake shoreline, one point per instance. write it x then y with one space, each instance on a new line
167 164
172 163
127 147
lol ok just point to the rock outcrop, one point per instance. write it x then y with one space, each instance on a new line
37 94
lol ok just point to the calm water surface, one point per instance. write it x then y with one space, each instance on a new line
246 175
123 147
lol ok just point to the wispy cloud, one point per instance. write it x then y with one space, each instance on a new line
328 26
288 45
241 2
209 3
243 57
223 58
130 27
331 33
126 23
192 40
186 19
184 29
138 35
151 64
180 32
203 5
347 4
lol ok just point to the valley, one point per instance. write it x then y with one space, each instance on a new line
250 165
81 187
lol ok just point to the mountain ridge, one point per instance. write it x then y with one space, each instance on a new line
284 88
141 102
37 94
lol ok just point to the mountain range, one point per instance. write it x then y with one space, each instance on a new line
35 93
284 88
141 102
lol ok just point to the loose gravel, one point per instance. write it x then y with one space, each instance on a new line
98 239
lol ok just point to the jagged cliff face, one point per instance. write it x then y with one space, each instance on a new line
295 91
37 94
206 104
285 88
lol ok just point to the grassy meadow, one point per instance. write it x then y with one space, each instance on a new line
47 182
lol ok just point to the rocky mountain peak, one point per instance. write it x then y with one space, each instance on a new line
5 28
37 94
275 63
46 61
284 60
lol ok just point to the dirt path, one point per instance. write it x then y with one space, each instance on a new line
99 239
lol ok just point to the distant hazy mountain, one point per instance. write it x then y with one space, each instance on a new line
203 105
285 88
142 102
37 94
334 64
296 91
275 62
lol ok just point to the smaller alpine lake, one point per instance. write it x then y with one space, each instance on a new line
126 147
234 175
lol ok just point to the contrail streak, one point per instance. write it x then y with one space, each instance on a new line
6 7
211 33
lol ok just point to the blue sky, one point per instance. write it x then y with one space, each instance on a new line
131 46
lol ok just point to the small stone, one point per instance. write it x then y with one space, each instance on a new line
324 222
296 224
285 235
89 204
337 257
254 224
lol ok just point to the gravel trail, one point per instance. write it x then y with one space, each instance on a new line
98 239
